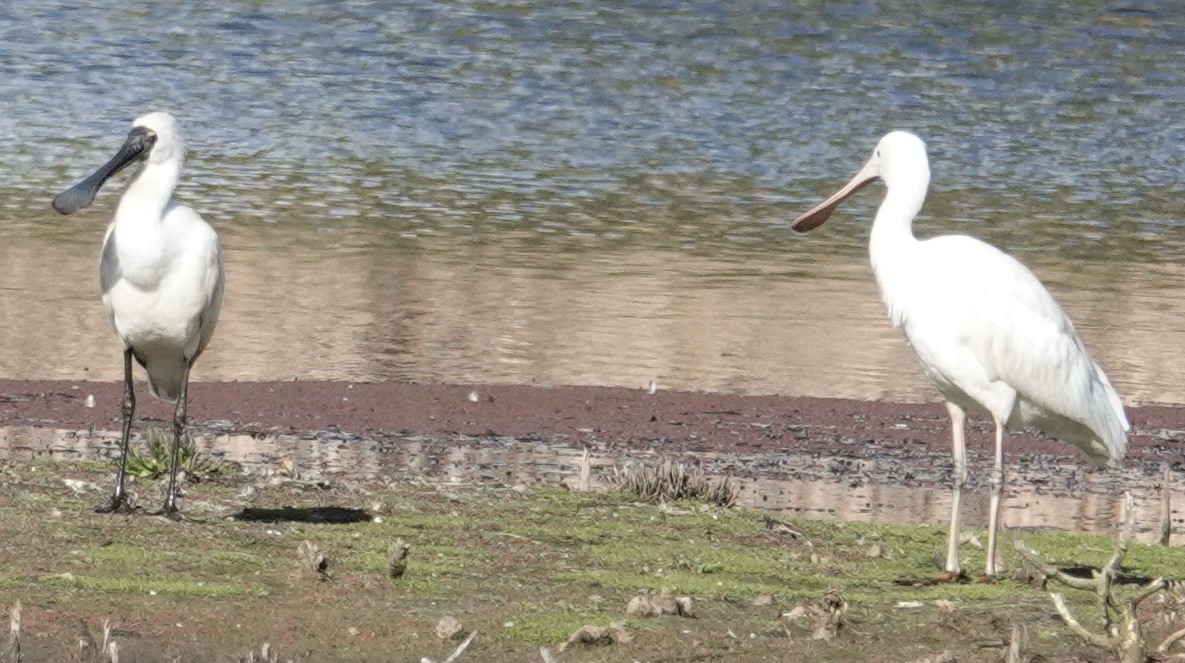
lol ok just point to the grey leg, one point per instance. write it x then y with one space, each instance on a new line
170 507
127 408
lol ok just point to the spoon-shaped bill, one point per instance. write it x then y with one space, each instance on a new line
136 147
820 213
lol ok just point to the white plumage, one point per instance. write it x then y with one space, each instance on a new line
160 272
984 329
161 279
988 334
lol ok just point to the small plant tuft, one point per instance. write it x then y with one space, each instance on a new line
312 561
673 481
265 655
150 457
397 559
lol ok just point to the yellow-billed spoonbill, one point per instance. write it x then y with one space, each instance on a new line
985 330
160 274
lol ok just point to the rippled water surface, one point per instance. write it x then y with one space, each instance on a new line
596 193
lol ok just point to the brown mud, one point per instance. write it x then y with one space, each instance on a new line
613 418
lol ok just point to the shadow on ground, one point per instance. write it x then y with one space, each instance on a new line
333 515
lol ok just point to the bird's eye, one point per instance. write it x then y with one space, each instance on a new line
878 153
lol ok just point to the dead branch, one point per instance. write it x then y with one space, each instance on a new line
1170 641
614 633
1122 631
1016 644
1166 507
1049 570
1059 602
585 473
14 633
461 649
775 525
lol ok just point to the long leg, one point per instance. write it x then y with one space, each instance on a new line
170 508
959 452
127 408
997 493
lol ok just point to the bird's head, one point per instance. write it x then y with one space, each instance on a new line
899 158
167 143
154 138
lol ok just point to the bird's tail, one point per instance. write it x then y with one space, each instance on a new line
164 377
1101 430
1114 428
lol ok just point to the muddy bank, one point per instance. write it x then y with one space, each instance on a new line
607 418
804 457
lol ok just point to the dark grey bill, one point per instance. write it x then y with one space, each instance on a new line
136 147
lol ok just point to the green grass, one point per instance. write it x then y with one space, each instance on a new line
149 585
544 625
495 556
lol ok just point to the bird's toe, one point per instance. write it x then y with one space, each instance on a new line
115 505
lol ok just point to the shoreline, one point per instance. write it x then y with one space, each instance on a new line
607 418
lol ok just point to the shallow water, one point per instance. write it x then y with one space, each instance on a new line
591 193
1038 496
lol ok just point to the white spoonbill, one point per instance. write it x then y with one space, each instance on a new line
160 275
985 330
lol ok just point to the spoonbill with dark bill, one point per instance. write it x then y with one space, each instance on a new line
161 278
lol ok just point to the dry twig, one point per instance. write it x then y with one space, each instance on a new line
594 635
109 649
585 473
1122 632
1016 644
461 648
14 634
775 525
1166 507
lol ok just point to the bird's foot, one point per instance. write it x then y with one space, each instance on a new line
117 504
170 511
948 577
986 580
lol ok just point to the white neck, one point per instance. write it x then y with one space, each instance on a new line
892 230
892 247
149 193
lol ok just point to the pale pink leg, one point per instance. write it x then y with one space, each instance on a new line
997 493
959 451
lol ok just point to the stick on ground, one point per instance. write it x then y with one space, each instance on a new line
1166 506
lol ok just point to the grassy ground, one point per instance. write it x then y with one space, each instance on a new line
525 568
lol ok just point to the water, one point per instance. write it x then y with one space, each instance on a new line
595 193
1038 496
